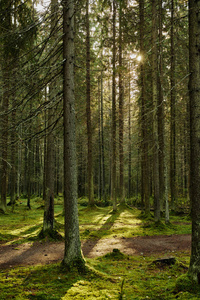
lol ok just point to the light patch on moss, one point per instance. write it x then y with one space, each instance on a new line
84 289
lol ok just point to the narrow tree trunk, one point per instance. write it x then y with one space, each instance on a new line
102 141
88 111
194 93
129 136
145 189
121 112
99 142
13 160
172 116
72 254
48 220
45 153
161 114
155 109
19 167
29 171
113 171
4 142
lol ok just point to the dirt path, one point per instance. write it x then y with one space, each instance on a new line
45 253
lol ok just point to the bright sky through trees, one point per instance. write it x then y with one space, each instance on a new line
42 5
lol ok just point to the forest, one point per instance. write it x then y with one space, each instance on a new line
99 148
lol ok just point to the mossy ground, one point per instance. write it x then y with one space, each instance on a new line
141 279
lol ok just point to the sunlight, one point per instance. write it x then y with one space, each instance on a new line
139 58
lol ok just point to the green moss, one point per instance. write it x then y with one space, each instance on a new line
185 284
102 277
115 254
51 235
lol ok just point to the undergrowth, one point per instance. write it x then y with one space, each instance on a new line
113 276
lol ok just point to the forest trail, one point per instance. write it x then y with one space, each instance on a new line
50 252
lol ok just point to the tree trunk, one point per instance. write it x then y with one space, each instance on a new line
13 159
121 112
129 136
161 117
155 110
194 93
145 189
88 111
113 136
4 107
72 253
4 142
48 221
102 141
172 116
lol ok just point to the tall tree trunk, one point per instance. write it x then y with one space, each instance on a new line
19 167
4 108
4 142
172 116
194 93
30 168
121 112
13 159
102 141
161 113
113 136
145 190
48 221
72 253
45 152
129 136
88 111
155 110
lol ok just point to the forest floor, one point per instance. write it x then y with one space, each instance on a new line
50 252
30 267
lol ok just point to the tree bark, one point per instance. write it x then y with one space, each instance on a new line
194 94
121 112
72 254
172 116
48 220
88 111
145 189
113 136
161 117
155 111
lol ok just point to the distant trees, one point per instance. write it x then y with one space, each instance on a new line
129 137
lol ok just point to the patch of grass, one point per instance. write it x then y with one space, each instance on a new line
51 282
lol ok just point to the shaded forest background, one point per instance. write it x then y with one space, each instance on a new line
132 102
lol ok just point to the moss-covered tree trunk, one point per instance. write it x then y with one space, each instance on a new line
72 254
194 94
